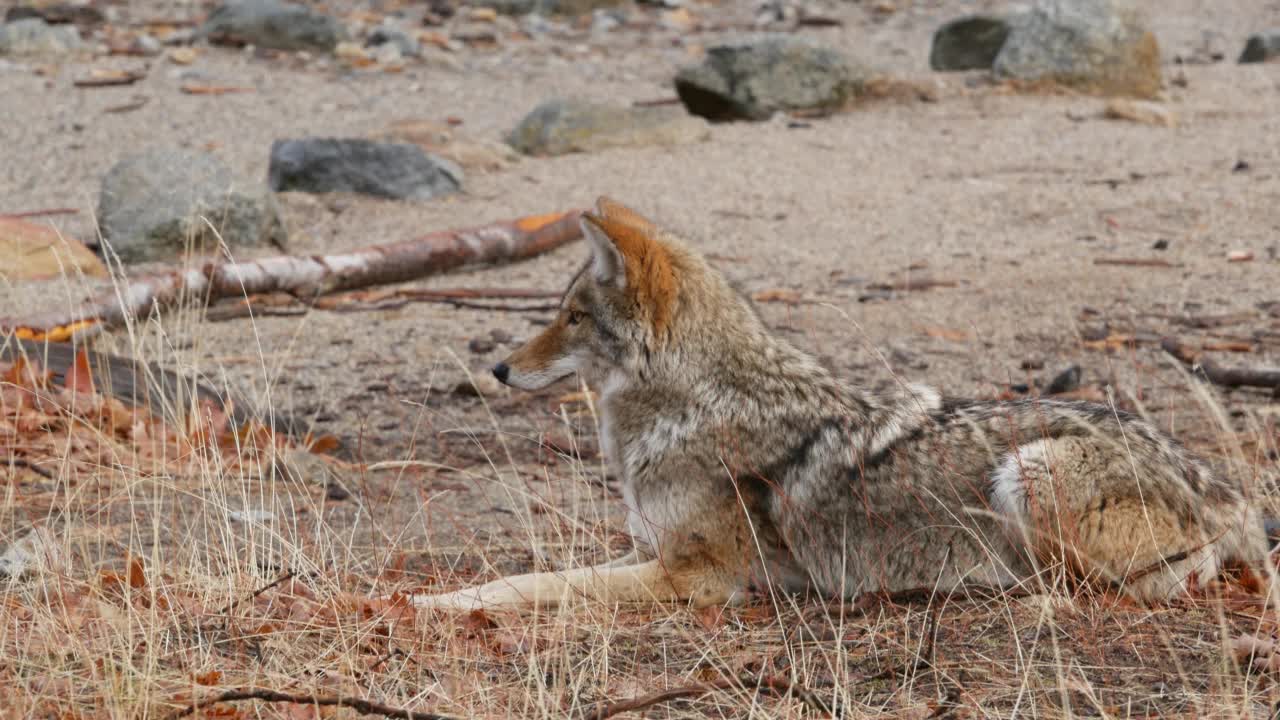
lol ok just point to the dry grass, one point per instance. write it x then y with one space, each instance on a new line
174 561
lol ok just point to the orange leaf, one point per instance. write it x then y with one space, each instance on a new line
79 378
710 618
137 574
213 677
324 444
25 374
947 334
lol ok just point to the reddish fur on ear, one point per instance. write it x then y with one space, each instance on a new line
651 279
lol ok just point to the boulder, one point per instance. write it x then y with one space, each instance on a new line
157 203
968 43
754 78
272 24
567 125
35 37
381 169
1098 46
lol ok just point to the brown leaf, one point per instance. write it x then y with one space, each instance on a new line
324 444
108 78
781 295
197 89
212 677
79 378
137 573
710 617
947 334
1229 346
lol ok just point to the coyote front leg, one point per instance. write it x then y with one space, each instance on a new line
651 581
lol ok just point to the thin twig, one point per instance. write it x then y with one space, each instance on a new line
41 213
772 685
1229 377
401 302
19 462
360 705
1135 262
232 605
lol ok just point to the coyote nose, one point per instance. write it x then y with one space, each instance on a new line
501 371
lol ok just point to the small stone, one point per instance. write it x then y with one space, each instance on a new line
156 203
146 46
352 53
405 43
1161 244
1240 256
35 37
272 24
388 170
1098 46
179 36
753 79
1065 381
562 126
604 21
183 55
480 346
968 43
388 56
885 7
1032 364
483 14
1140 111
679 20
1241 166
500 336
1262 47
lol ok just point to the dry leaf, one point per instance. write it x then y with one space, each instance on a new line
79 378
782 295
947 334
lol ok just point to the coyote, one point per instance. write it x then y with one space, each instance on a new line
747 465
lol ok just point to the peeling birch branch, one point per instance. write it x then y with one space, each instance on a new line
308 277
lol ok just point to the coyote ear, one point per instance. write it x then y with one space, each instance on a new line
607 264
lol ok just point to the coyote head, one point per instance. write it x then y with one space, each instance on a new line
617 310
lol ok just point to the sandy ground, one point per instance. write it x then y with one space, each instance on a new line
1012 197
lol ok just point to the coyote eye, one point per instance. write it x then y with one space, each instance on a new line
575 317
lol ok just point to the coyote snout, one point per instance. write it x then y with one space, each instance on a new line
745 463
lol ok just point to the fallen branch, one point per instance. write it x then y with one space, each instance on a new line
1135 262
457 297
776 686
41 213
232 605
1229 377
913 284
360 705
309 277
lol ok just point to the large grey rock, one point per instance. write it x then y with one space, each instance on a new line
34 36
968 43
155 204
561 126
1262 47
1099 46
751 79
389 170
272 24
